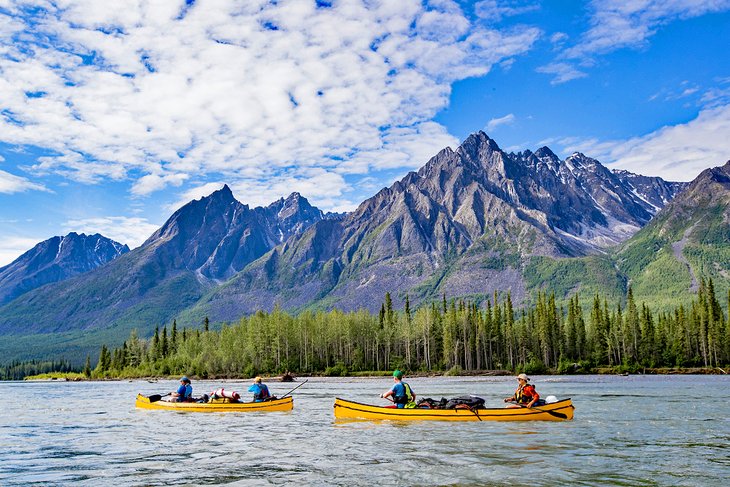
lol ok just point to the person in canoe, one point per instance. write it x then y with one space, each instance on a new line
260 391
525 395
184 393
401 393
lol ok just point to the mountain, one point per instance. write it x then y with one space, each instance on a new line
200 245
470 222
688 239
217 236
54 260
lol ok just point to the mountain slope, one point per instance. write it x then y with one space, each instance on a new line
688 239
54 260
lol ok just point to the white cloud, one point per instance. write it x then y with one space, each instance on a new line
676 153
235 91
12 247
10 183
495 10
563 72
617 24
131 231
496 122
558 38
153 182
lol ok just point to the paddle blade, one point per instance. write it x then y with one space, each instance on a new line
154 397
557 414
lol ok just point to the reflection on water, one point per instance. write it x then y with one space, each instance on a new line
627 431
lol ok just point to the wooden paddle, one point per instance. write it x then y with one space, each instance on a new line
551 413
394 405
297 387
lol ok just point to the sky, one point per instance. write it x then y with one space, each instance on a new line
115 114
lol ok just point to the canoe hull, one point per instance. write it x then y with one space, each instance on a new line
559 411
285 404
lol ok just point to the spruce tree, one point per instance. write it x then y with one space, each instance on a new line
173 337
164 345
87 367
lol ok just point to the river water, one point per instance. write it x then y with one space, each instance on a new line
635 430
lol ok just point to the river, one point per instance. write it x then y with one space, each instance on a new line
634 430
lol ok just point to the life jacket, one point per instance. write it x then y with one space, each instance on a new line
405 399
524 394
262 394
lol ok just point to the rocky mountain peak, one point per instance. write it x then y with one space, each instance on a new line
294 213
580 161
57 259
545 153
721 174
478 148
223 195
711 183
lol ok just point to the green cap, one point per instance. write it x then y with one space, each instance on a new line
398 374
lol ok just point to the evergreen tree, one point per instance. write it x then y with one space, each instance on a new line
164 345
87 366
155 352
630 330
173 337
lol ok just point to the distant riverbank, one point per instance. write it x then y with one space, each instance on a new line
75 376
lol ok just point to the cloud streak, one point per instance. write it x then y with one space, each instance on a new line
675 153
620 24
496 122
157 93
10 183
11 247
495 11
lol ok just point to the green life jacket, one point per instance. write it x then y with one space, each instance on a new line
404 399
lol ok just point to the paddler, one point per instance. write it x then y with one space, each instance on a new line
184 392
259 389
402 394
525 395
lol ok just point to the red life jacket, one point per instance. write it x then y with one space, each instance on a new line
525 394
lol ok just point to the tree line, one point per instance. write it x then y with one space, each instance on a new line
456 335
18 370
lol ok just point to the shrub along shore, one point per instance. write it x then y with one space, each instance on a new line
78 376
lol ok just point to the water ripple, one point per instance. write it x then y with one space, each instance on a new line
91 434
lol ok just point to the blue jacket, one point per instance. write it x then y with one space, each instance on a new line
184 391
260 392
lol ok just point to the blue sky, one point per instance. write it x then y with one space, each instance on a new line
113 115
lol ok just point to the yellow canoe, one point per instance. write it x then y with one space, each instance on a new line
558 411
284 404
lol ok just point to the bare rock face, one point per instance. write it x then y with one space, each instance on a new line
465 223
217 236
